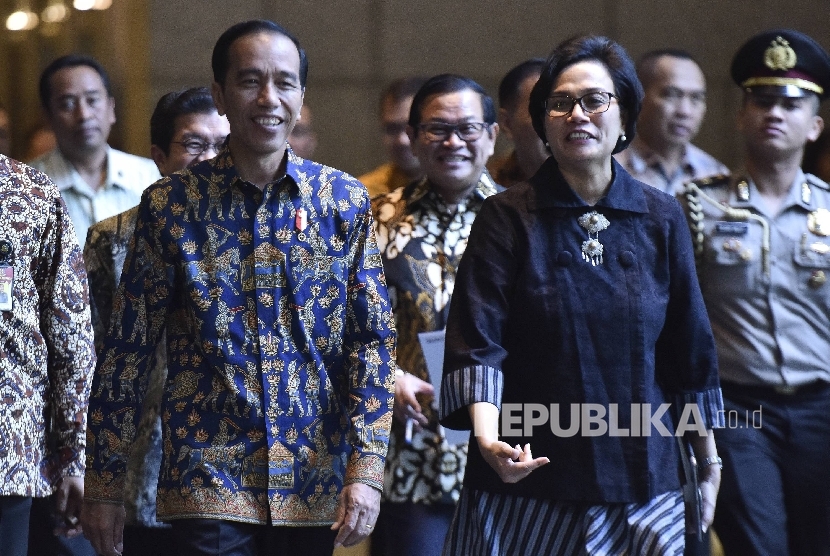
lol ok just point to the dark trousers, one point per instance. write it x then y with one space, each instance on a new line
775 491
42 542
407 529
214 537
14 525
152 541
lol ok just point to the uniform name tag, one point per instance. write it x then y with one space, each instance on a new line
732 228
6 285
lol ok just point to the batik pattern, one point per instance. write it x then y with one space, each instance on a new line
280 342
422 241
46 347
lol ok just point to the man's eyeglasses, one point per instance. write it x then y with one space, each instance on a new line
196 147
592 103
467 131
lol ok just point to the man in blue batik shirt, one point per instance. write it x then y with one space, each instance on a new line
263 269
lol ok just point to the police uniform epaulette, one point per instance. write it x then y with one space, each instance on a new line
712 181
818 182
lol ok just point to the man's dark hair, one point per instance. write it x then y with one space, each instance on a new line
449 83
221 52
512 82
69 61
591 48
401 89
197 100
647 63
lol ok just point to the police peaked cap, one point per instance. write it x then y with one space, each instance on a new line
789 62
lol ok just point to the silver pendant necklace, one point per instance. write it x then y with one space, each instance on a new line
592 249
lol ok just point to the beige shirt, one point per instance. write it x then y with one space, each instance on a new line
645 166
127 176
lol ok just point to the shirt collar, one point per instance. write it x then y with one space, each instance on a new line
551 190
795 196
642 157
417 191
65 176
295 168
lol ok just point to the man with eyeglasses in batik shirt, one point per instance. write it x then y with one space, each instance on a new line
422 232
263 271
185 129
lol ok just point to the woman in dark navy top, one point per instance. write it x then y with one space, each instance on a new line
577 327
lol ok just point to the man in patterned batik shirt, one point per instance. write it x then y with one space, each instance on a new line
422 233
46 354
185 129
264 272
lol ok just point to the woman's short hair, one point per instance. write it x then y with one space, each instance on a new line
591 48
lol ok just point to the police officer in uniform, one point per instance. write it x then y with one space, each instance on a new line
762 238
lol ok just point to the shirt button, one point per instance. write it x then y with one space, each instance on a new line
564 258
626 258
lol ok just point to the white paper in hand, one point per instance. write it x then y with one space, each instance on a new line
432 344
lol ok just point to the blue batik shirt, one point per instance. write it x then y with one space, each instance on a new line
280 343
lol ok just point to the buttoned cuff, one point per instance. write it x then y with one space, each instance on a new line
467 386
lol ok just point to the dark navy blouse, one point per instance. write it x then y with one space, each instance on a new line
532 322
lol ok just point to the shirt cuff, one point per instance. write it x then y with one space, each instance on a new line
103 487
366 469
710 404
467 386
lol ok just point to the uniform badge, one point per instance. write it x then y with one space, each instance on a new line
780 56
806 193
817 279
818 222
743 191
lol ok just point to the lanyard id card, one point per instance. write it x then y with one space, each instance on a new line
6 286
6 275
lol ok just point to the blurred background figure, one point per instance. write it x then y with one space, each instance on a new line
661 154
5 132
39 142
817 157
95 180
303 140
528 152
403 167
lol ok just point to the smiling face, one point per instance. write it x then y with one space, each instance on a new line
579 138
81 112
775 126
261 95
453 165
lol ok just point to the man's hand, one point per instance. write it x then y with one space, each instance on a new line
69 501
407 386
103 525
511 464
357 513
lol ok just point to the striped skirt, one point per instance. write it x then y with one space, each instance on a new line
488 524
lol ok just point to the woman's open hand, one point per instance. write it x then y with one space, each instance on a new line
511 464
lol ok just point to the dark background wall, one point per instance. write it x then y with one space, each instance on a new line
356 46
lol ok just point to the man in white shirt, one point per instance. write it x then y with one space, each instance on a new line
95 180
